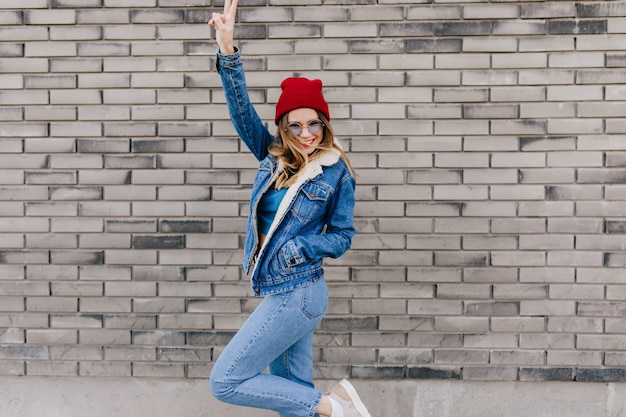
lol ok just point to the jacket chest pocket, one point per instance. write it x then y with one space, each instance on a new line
309 200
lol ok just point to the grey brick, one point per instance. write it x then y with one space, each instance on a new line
24 65
130 161
157 113
61 97
79 258
12 336
456 192
490 373
51 272
501 308
434 373
615 59
484 111
144 226
170 370
43 49
113 65
157 80
52 368
489 45
375 14
59 304
518 94
13 304
11 113
160 48
283 63
112 16
377 372
75 33
24 33
9 97
13 208
54 241
406 28
50 113
462 324
595 76
103 240
124 32
50 17
133 96
17 224
103 81
77 289
21 352
461 258
11 17
600 375
12 50
157 16
492 12
416 356
26 321
76 3
467 357
184 354
460 95
158 242
96 369
77 65
614 359
520 61
11 81
76 193
595 10
548 10
38 336
528 27
179 96
462 28
558 27
547 341
22 288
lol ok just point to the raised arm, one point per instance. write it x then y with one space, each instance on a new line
246 120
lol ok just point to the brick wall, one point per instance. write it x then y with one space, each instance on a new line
489 139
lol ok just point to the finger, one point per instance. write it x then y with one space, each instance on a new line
217 18
233 8
226 7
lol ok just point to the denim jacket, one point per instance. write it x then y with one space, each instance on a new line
313 221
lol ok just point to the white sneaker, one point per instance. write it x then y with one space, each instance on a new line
345 394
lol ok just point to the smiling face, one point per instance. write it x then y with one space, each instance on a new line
308 141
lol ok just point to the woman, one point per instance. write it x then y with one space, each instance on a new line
301 211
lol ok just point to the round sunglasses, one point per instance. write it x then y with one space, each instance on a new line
314 127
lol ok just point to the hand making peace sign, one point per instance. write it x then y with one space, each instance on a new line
225 26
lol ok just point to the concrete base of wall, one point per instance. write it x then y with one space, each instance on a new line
124 397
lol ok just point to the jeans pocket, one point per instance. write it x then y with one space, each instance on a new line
314 299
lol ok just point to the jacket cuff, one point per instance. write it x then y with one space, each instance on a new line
227 61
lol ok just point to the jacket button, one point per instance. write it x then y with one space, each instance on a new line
292 260
256 290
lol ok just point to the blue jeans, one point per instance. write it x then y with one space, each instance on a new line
278 334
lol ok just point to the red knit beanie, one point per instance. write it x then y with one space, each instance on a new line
299 92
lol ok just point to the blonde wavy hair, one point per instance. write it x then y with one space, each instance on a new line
294 161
